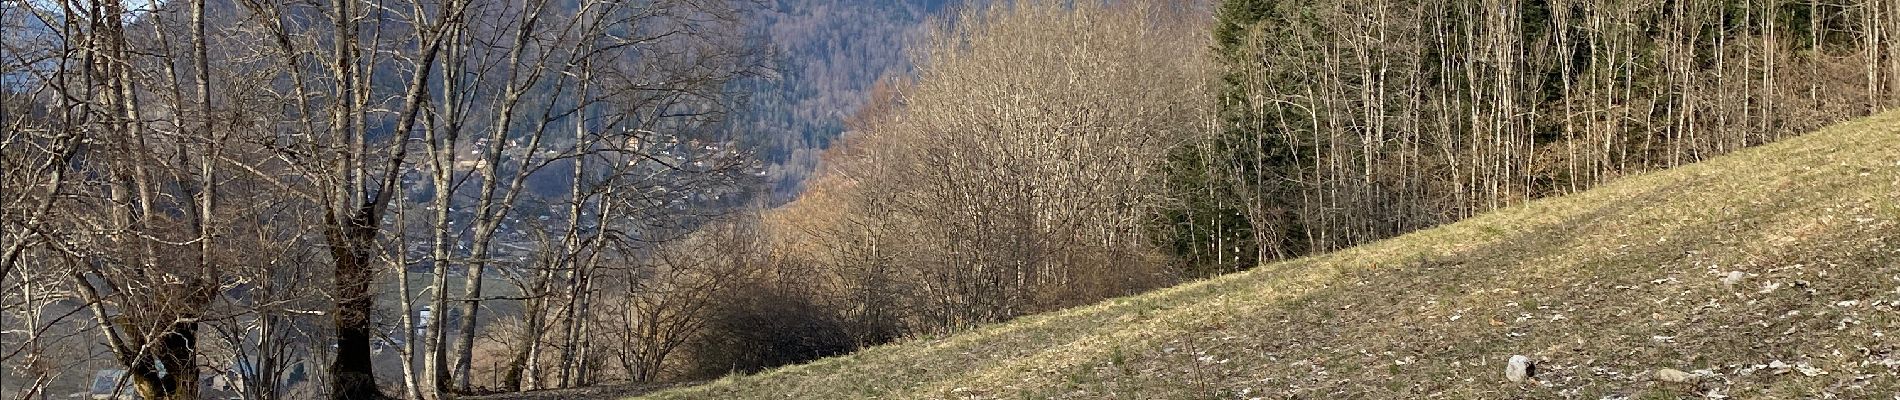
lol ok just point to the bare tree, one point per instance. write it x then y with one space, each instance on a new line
1016 165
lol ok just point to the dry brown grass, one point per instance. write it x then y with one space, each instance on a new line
1601 288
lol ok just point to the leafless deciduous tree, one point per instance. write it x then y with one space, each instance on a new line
184 165
1015 174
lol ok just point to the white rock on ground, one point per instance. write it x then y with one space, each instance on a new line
1520 368
1674 376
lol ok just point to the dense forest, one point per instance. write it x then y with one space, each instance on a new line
1345 122
359 199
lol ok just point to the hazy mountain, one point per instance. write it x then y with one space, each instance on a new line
828 54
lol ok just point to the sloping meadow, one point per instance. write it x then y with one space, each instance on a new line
1773 272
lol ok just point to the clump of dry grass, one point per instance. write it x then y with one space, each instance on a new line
1602 288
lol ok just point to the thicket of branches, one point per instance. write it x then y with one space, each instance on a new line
1013 175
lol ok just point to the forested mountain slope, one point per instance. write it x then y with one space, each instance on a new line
828 55
1772 272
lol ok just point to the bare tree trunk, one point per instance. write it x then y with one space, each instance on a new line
443 164
570 246
577 341
406 302
354 218
487 217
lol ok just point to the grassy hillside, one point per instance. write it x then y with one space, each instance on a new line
1773 272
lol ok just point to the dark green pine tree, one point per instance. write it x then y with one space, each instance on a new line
1207 229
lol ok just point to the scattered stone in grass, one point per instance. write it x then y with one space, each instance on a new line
1809 370
1714 394
1779 367
1672 375
1733 278
1520 368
